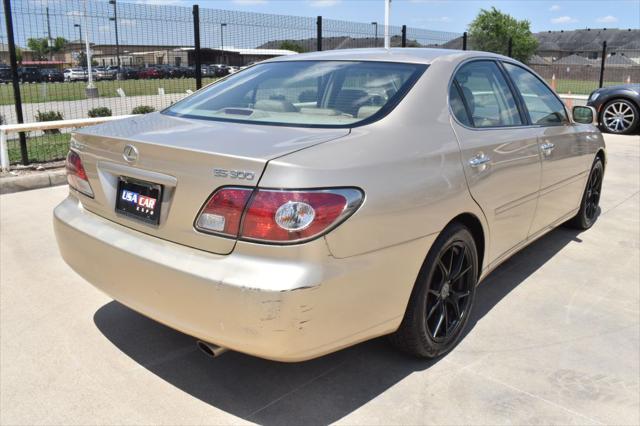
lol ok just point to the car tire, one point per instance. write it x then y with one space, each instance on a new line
437 296
589 206
621 128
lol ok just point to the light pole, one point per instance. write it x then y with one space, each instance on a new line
375 25
222 40
387 12
115 22
49 39
79 27
91 90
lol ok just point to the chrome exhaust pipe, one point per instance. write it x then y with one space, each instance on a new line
214 351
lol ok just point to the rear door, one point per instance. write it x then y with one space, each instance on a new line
564 150
499 152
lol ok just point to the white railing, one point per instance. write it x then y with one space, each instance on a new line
7 129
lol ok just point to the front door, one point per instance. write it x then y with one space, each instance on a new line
500 154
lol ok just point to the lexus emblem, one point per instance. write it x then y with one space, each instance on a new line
130 153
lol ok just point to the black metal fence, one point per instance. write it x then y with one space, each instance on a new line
145 57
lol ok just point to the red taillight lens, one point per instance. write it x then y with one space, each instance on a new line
76 175
223 211
290 216
277 216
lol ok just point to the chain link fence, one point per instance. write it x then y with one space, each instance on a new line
145 57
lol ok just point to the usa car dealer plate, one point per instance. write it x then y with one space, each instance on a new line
140 200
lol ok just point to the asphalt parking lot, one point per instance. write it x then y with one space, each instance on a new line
554 339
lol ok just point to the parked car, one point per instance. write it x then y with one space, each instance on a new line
220 70
618 108
104 73
129 73
29 75
150 73
51 75
171 71
289 229
5 75
75 74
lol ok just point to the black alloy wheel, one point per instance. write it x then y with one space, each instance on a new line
442 297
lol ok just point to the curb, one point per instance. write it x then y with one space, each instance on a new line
32 181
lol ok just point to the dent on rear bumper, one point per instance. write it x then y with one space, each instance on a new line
283 303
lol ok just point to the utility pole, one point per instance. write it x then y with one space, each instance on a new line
387 12
115 22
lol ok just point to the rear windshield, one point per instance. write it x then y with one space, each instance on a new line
304 93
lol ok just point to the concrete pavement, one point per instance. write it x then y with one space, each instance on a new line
554 339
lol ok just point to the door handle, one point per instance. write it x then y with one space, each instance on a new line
547 147
479 161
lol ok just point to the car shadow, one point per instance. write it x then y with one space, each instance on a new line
319 391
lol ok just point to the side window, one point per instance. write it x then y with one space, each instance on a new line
487 94
543 106
457 106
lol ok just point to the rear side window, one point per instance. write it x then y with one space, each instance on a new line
487 95
457 106
543 106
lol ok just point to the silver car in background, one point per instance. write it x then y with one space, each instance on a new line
314 201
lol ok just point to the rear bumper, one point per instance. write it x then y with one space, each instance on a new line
283 303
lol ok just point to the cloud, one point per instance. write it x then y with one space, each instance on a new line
434 19
563 20
554 8
249 2
609 19
160 2
323 3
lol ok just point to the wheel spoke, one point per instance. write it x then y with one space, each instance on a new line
435 332
433 309
445 273
446 319
455 274
456 308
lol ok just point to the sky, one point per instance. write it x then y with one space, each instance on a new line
447 15
171 22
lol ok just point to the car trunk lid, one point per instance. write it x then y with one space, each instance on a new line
189 159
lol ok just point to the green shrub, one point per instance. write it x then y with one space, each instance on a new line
49 116
100 112
143 109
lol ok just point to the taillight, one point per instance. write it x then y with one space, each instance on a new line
277 216
223 211
76 175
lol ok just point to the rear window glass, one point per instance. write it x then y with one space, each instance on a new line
304 93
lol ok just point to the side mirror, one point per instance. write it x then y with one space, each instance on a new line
584 115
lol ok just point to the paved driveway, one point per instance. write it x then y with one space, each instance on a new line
554 339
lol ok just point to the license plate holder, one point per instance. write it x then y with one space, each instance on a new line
139 200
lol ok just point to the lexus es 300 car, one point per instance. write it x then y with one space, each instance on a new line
314 201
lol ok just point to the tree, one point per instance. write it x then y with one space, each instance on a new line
58 44
491 30
41 48
292 45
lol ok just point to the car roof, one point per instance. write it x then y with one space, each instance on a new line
395 54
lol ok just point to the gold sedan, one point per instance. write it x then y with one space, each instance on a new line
314 201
